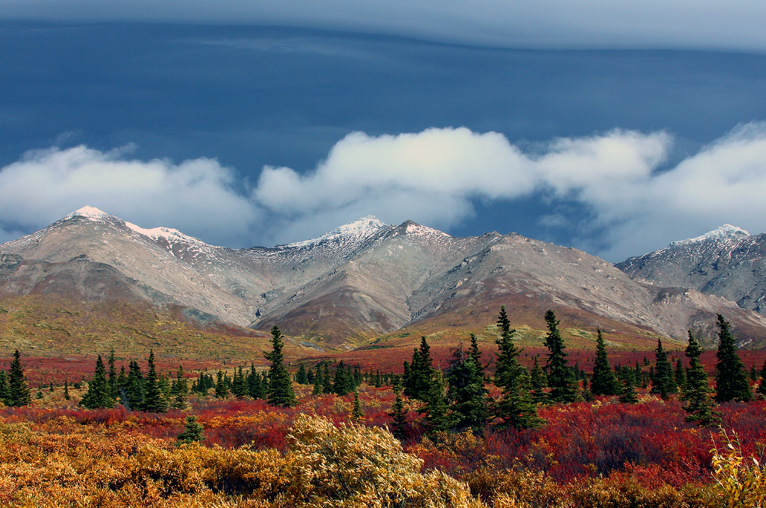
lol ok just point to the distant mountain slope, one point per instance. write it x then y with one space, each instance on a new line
727 262
355 283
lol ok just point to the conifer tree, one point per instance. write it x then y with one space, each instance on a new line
516 407
356 411
537 382
5 393
239 385
113 388
301 377
762 385
731 378
193 433
221 387
437 411
603 382
280 391
343 383
181 389
99 394
318 382
18 392
466 393
662 383
154 399
398 413
628 395
326 378
680 375
561 379
133 397
420 374
697 392
66 389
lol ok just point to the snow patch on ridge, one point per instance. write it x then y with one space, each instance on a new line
355 231
88 212
726 231
168 234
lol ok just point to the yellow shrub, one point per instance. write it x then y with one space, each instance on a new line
742 480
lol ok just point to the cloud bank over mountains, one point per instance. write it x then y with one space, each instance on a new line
544 23
635 202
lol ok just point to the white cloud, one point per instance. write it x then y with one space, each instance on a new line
586 23
433 177
195 196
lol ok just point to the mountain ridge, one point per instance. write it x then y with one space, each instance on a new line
359 281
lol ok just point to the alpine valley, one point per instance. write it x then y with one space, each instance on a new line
360 284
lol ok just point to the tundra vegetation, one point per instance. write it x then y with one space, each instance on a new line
489 430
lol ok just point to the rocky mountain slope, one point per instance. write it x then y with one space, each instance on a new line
727 262
360 280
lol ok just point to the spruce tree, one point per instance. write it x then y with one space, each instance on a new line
318 382
538 382
193 433
516 407
356 411
628 395
221 387
99 394
280 391
420 374
5 393
301 377
18 392
603 382
561 379
154 399
731 378
239 385
680 375
133 397
113 387
398 413
66 389
662 383
437 411
466 393
343 383
697 392
181 389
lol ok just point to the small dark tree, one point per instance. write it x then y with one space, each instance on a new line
680 375
356 411
5 393
603 382
662 383
114 389
133 394
193 433
420 375
221 386
18 392
318 382
66 389
301 377
437 412
99 394
343 383
154 400
466 393
538 382
628 395
697 392
239 384
280 384
561 379
181 389
398 413
731 378
516 407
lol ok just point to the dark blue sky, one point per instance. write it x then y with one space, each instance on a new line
251 97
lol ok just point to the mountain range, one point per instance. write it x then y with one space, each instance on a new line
366 279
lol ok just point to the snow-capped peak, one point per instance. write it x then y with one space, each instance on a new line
724 232
356 230
88 212
169 234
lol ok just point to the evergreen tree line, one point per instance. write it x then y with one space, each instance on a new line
457 399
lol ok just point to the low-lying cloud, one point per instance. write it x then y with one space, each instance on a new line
634 203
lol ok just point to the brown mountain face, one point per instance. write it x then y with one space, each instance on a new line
358 282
